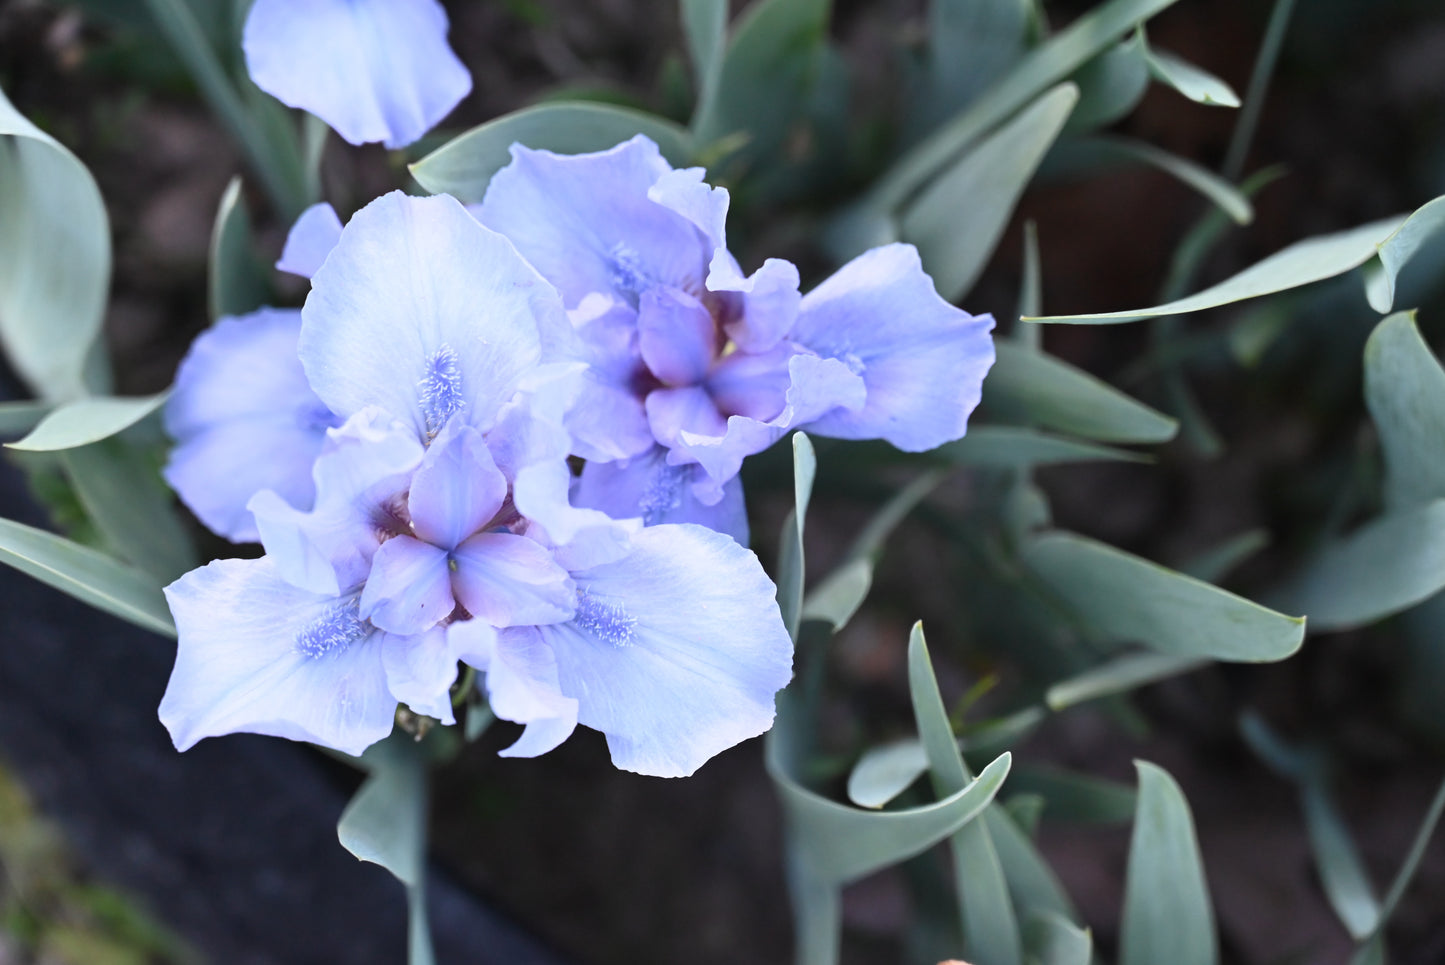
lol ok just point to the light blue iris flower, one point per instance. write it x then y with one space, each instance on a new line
695 366
374 70
438 530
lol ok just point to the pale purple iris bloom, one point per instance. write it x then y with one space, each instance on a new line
373 70
695 366
440 530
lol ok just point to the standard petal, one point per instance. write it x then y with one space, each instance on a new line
922 359
360 479
648 487
511 581
587 224
244 419
677 336
256 654
374 70
608 420
676 651
420 671
769 300
522 687
311 239
457 489
685 192
422 311
409 589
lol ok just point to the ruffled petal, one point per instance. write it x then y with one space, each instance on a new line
422 311
420 671
522 687
310 240
649 487
587 224
676 651
457 489
256 654
769 300
360 481
374 70
409 589
608 420
685 192
511 581
674 412
922 359
677 336
244 419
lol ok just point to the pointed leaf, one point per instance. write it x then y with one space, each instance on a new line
1120 675
84 421
1405 393
56 271
1032 884
1385 566
1300 264
87 575
885 772
1053 394
1193 82
1342 872
464 165
1123 597
957 220
1167 913
1101 150
791 574
705 23
237 283
1051 939
1397 250
1013 447
990 930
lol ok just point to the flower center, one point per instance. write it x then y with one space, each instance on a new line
333 631
604 620
441 389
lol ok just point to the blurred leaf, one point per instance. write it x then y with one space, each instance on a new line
791 573
1405 393
1122 597
705 24
838 595
990 929
1076 797
1055 395
1111 85
1032 883
1371 952
1102 150
1167 913
1397 250
1383 567
957 220
132 508
1301 263
1031 287
237 284
1051 939
56 270
1194 83
871 221
84 421
1411 864
464 165
971 43
885 772
1120 675
1213 565
385 823
1341 871
767 75
17 418
1013 447
89 576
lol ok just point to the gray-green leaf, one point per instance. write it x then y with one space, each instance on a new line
238 283
1193 82
1405 393
88 420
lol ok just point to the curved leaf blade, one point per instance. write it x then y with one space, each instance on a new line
885 772
1015 447
237 284
1397 250
56 271
1193 82
87 575
1405 393
1122 597
1120 676
85 421
464 166
1106 149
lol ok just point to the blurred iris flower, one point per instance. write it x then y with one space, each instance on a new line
693 365
439 529
373 70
